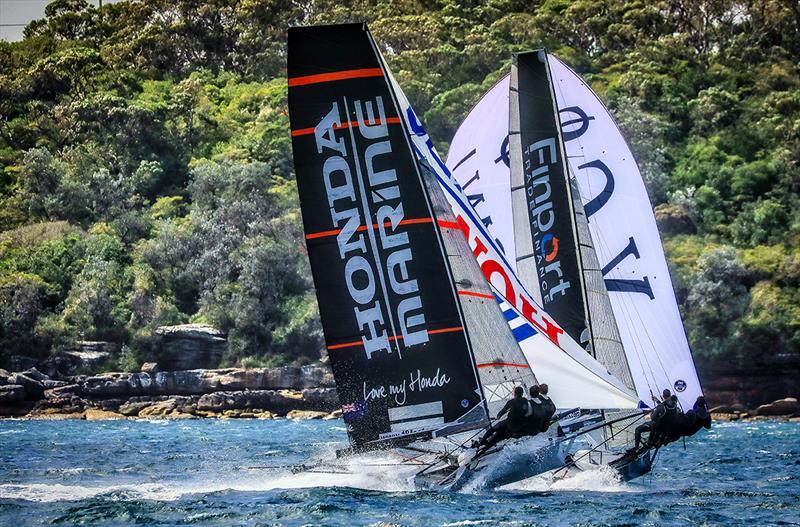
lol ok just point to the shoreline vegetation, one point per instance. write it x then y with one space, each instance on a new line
147 182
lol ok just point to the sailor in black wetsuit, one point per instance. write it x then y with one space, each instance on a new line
667 422
648 427
695 419
549 407
536 412
511 426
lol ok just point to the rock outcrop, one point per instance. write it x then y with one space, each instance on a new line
188 346
230 393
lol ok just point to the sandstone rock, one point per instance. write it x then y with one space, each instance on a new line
306 414
728 409
57 416
94 414
336 414
61 391
11 393
133 409
180 415
160 409
188 346
265 414
33 388
787 406
149 367
724 417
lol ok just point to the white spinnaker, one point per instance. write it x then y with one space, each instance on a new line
651 330
621 218
575 378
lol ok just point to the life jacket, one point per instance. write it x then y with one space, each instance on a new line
549 412
701 418
536 414
516 415
666 416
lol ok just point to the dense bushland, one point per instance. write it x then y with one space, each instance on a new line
147 177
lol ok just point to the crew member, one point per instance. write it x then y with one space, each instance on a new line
666 425
549 407
511 426
655 415
536 412
696 418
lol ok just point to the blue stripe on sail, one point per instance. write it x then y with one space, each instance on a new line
523 332
510 315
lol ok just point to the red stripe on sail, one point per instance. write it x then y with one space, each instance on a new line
349 124
399 337
335 232
479 295
335 76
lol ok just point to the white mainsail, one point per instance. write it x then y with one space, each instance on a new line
627 242
621 222
576 379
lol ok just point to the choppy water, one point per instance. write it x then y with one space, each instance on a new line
212 472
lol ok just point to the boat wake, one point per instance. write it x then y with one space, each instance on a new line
366 473
601 479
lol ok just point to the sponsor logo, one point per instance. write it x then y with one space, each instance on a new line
538 158
358 177
553 252
680 385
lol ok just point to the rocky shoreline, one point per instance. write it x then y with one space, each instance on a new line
262 393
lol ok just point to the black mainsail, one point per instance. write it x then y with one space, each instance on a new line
545 235
393 325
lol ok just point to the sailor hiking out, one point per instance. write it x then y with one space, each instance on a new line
513 425
668 423
549 407
536 412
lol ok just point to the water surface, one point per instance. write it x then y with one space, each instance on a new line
234 472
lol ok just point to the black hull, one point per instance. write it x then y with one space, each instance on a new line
635 464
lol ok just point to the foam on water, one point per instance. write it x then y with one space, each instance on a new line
601 479
367 473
